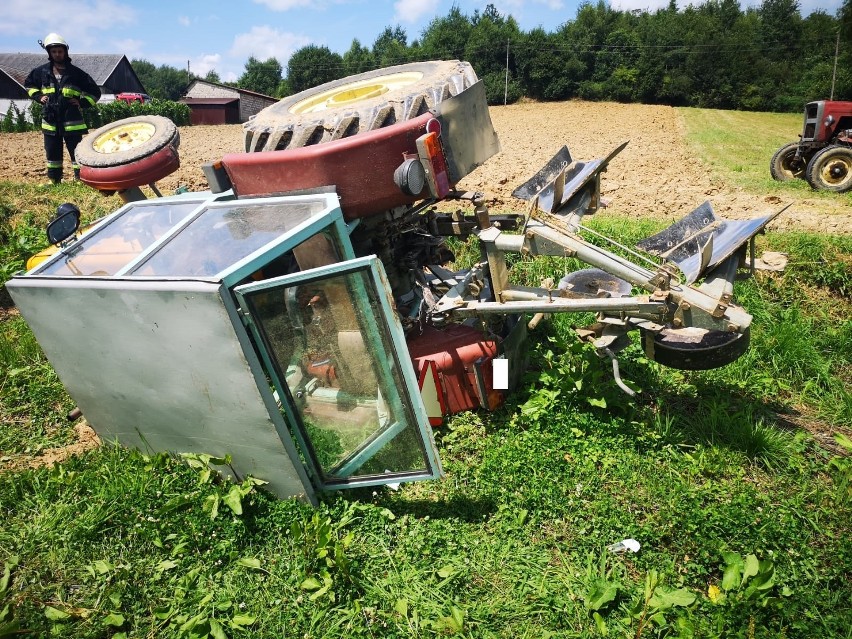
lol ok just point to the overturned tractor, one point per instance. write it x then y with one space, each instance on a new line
303 315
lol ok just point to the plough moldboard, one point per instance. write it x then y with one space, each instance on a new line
683 326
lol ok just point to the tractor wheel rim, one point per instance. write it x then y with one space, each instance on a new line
124 137
356 92
836 172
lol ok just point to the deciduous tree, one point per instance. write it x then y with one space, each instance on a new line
261 77
311 66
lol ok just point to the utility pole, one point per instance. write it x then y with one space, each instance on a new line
834 72
506 87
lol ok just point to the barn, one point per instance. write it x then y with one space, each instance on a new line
212 103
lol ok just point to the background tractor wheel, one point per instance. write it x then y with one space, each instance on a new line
785 166
831 169
127 141
356 104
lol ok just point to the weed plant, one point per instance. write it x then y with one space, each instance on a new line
725 477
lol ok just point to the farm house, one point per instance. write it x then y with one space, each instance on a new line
213 103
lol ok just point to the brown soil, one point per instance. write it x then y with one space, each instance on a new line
656 175
87 439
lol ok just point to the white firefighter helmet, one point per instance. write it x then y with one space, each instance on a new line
54 39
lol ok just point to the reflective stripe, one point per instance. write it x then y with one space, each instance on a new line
47 90
90 100
75 166
68 92
32 92
47 126
54 165
75 127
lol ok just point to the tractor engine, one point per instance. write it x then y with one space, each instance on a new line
406 242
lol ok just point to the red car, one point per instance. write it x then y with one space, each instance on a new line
133 97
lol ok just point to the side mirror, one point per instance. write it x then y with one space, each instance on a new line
64 224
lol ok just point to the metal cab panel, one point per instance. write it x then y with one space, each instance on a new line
159 366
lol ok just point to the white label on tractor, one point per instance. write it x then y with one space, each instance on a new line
500 367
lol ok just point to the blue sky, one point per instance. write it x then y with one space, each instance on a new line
222 36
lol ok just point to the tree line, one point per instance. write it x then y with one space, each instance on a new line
714 55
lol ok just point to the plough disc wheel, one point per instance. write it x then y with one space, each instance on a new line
694 349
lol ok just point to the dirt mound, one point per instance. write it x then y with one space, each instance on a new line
655 176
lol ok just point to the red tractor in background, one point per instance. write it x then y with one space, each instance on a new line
823 154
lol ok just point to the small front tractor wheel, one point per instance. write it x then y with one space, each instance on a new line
785 165
356 104
128 153
831 169
126 141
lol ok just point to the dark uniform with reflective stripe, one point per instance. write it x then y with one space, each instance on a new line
60 118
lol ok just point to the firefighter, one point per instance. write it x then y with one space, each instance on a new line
63 90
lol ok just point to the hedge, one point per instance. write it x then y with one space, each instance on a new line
15 120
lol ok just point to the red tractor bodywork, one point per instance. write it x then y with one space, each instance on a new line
826 122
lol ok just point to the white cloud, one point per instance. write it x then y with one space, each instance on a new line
264 43
285 5
83 23
642 5
412 11
129 47
184 21
202 64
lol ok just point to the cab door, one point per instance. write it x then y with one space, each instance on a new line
336 356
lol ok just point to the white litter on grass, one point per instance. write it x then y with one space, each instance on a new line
392 485
771 261
624 545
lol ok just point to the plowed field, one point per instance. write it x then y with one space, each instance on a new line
656 175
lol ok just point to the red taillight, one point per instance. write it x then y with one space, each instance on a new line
431 155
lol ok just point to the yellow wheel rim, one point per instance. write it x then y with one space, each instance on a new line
124 137
355 92
835 172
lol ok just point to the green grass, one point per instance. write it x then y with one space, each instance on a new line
34 403
743 517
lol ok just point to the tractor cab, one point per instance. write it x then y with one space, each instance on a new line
191 323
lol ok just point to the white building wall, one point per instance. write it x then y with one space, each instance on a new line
22 105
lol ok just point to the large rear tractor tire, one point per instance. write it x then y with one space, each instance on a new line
356 104
831 169
786 166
